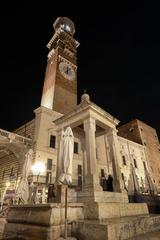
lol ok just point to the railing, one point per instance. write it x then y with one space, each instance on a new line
16 137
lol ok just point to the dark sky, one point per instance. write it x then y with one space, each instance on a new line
118 60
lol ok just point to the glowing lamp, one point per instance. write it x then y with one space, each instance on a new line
38 168
8 184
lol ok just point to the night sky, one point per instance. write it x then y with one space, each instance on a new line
118 61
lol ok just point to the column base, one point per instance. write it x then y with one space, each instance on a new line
101 196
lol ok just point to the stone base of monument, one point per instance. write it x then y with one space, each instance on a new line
41 221
117 228
114 221
102 196
88 221
100 211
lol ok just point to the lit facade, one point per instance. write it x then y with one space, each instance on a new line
59 108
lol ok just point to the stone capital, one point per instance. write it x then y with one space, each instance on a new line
112 132
89 124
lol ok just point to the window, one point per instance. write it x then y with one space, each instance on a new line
48 178
49 164
76 147
80 182
102 173
144 164
52 141
131 129
79 170
124 160
135 163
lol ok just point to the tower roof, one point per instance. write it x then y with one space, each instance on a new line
65 24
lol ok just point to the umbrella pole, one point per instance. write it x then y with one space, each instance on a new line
65 231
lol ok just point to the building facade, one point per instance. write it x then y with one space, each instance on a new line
112 151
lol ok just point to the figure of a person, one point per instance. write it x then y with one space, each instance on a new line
110 183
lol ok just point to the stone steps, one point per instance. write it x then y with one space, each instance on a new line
148 236
118 228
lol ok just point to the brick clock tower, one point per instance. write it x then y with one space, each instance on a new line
60 84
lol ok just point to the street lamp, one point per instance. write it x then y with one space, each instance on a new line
38 168
8 184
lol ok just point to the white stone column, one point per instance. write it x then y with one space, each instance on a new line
90 144
116 158
91 178
59 164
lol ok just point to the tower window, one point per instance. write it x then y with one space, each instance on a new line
52 141
76 147
124 160
131 129
135 163
49 164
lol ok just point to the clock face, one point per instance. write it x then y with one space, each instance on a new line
67 71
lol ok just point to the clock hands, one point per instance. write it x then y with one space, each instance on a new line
67 70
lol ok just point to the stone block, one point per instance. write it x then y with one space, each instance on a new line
117 228
96 210
102 196
42 221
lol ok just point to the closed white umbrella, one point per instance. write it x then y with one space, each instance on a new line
66 156
22 192
65 163
149 185
133 184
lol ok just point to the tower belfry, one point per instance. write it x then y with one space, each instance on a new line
60 83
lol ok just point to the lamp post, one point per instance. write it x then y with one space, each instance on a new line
38 168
